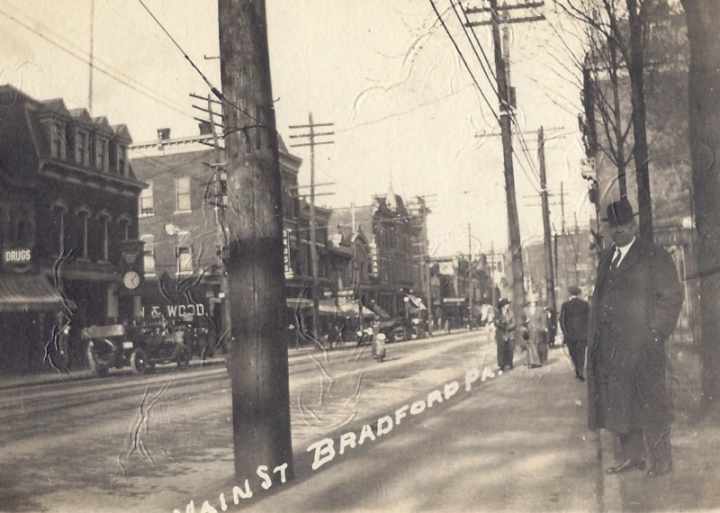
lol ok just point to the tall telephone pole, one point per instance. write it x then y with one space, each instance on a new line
549 271
258 364
471 289
311 138
220 206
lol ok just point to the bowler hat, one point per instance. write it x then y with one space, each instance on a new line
574 291
619 212
503 302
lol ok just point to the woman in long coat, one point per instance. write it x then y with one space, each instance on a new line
504 333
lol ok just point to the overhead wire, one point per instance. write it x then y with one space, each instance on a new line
533 175
220 96
101 69
462 57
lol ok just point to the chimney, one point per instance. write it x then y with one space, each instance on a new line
163 134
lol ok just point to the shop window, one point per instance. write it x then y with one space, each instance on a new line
184 260
182 194
147 204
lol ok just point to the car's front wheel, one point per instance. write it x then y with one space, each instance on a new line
95 361
138 361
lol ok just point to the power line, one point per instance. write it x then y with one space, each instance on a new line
492 79
84 60
214 89
462 57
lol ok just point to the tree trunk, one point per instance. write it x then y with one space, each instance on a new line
640 150
704 133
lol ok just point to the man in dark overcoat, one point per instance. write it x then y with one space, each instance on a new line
635 306
574 317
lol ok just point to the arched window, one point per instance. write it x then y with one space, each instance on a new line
83 215
104 231
124 225
59 235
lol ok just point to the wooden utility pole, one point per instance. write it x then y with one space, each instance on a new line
502 63
258 364
549 271
220 206
471 290
311 138
506 129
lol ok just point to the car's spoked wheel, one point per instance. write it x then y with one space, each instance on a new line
138 361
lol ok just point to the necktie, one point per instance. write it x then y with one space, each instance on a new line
616 259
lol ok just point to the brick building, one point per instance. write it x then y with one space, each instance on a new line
387 260
178 225
68 223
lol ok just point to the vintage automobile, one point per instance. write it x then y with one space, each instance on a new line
140 347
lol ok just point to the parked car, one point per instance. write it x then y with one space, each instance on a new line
140 347
394 329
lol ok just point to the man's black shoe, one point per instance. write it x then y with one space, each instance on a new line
626 466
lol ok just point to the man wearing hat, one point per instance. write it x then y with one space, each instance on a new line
635 306
574 315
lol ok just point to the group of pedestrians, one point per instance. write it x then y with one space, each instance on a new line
617 342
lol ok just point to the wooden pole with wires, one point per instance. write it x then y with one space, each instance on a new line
258 364
311 136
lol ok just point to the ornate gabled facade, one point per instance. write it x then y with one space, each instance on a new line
384 236
68 204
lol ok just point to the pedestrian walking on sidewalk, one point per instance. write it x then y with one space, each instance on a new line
551 322
537 342
574 314
634 310
504 333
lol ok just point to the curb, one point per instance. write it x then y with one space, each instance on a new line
27 380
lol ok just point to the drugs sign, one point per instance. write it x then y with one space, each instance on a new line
17 256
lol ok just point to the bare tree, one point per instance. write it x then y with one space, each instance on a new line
618 33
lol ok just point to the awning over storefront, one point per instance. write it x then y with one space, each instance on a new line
344 308
27 293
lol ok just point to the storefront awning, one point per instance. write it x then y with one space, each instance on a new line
344 308
27 293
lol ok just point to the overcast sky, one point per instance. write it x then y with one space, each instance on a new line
383 71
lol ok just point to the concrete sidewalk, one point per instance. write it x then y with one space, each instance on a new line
517 442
